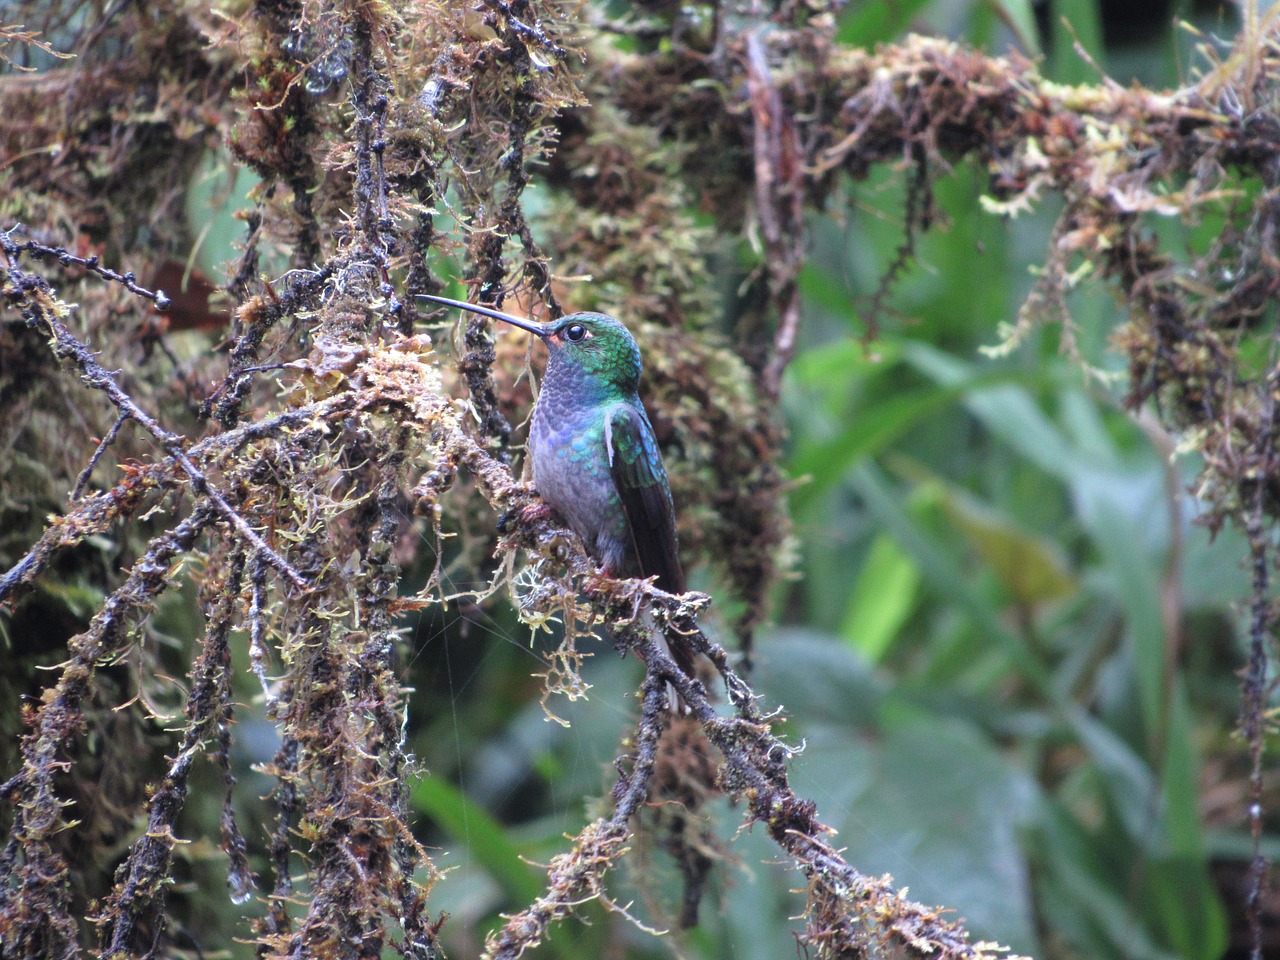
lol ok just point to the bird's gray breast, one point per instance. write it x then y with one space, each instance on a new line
571 471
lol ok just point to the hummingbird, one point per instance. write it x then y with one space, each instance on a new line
595 459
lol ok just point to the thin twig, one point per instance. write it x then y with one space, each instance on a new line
103 444
12 249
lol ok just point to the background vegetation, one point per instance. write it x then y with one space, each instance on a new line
1005 642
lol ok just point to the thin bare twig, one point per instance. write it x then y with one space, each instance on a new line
83 479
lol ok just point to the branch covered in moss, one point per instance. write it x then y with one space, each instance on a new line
843 904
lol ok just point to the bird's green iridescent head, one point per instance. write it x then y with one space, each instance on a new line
595 344
600 345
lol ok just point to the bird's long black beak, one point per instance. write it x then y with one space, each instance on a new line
532 326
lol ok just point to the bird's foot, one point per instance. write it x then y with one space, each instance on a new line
598 580
535 511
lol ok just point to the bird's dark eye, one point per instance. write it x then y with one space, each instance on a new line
575 332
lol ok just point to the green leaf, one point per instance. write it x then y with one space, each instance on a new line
1075 21
944 573
866 24
219 191
882 599
1178 899
482 836
1079 898
1033 569
1136 579
1184 894
841 361
951 806
819 679
1009 412
1126 779
930 801
927 798
872 430
1018 16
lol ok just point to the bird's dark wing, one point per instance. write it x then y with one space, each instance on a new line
636 467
